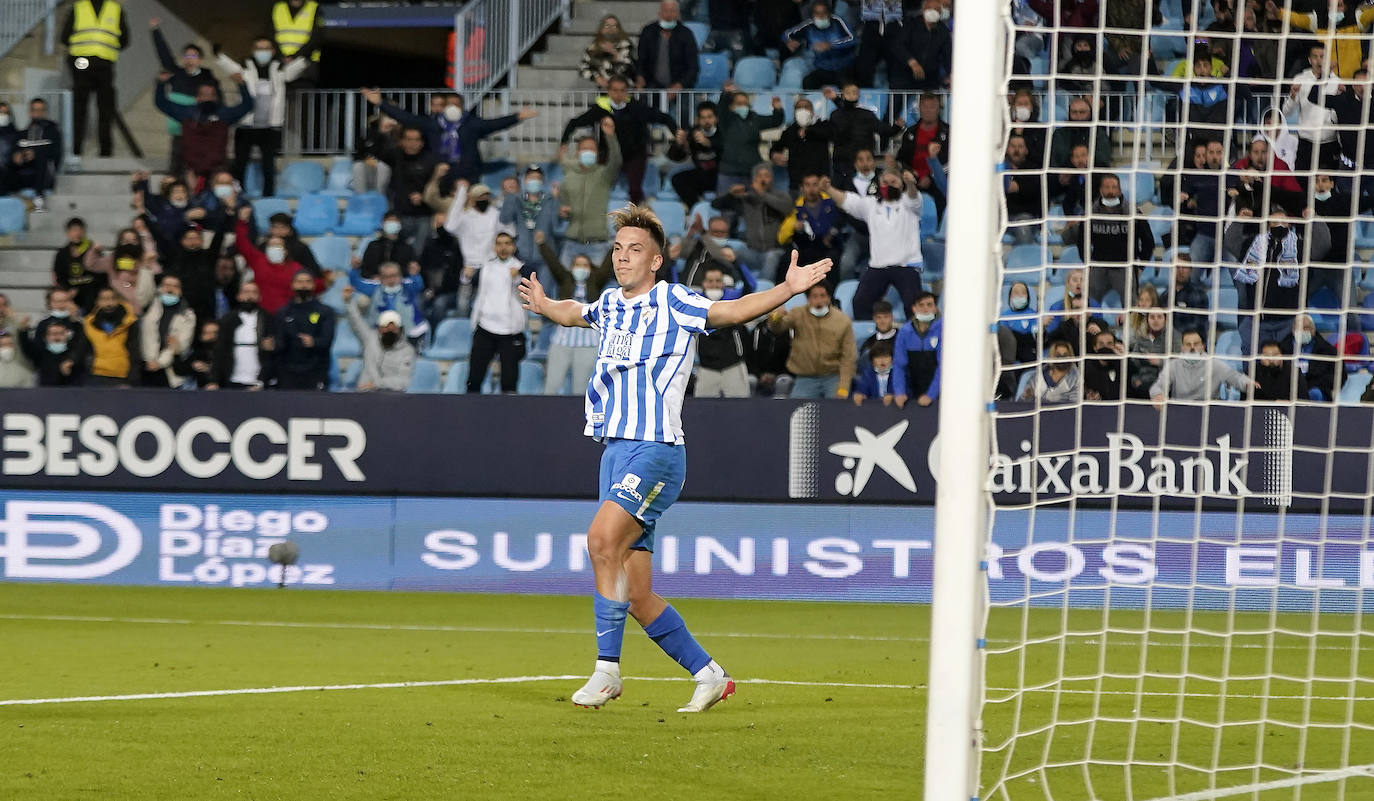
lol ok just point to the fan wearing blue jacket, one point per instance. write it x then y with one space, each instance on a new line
392 290
916 355
829 45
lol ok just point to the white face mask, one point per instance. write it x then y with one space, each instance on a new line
1018 303
618 106
453 113
178 204
581 274
263 57
1021 113
932 15
867 176
1111 202
6 354
1304 337
1192 356
4 120
821 312
276 254
224 191
391 227
803 117
924 317
718 240
714 294
1323 196
709 131
821 22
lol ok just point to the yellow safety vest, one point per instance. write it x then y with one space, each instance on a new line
92 37
294 32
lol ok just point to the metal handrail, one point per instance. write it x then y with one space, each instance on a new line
490 36
19 17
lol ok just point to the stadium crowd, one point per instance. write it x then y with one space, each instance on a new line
1230 274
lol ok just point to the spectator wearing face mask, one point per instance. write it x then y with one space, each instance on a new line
894 226
34 154
1150 343
1269 284
823 356
58 358
273 271
700 252
453 135
807 142
74 265
926 48
441 266
62 313
182 87
741 131
916 354
723 353
1104 371
16 372
761 209
164 212
874 381
165 333
216 202
387 247
1059 381
498 318
1194 375
530 212
392 290
827 44
194 265
388 356
303 333
204 126
1018 328
197 363
586 193
1117 242
634 120
667 52
282 226
1317 360
702 144
475 221
109 329
1275 377
1332 268
243 351
572 353
266 76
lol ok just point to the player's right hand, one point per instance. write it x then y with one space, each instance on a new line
532 295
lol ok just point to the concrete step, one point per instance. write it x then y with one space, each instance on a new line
560 61
531 77
564 45
633 14
48 229
28 302
88 184
28 259
94 202
24 279
115 165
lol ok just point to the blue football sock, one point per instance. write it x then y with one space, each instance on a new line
610 626
671 634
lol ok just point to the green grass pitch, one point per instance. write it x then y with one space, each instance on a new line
816 739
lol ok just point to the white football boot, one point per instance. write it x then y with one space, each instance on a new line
713 686
603 686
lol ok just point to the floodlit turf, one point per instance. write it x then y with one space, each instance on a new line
523 739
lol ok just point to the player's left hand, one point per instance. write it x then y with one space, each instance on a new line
802 277
532 295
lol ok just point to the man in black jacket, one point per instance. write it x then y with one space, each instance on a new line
453 136
633 118
387 247
243 351
440 266
303 333
36 155
71 269
702 144
410 171
854 128
195 266
807 143
722 372
1115 241
667 52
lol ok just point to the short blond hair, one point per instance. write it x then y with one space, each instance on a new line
643 217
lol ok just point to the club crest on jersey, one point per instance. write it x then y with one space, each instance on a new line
628 487
648 316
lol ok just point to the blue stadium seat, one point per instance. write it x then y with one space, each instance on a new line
796 302
930 216
763 284
452 340
822 106
793 71
456 382
714 70
333 296
348 381
755 74
875 101
1353 387
332 252
762 104
672 215
531 378
1364 233
1228 300
1325 308
700 30
844 293
1069 255
252 181
863 329
300 178
1024 258
425 379
363 215
1367 318
264 208
1228 344
13 215
317 214
1053 295
340 180
346 344
933 251
1138 188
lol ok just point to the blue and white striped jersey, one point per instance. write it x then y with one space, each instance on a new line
648 345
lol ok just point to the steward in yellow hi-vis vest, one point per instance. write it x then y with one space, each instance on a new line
297 29
94 34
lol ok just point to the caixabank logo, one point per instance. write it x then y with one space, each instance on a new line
869 452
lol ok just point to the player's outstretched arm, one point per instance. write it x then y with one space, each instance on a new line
563 312
800 277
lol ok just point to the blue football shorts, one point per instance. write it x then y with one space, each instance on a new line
644 479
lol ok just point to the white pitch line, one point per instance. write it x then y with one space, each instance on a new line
1365 771
395 685
1367 644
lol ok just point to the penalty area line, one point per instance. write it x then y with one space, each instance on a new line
1357 771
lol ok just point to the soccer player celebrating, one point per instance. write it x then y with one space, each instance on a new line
634 405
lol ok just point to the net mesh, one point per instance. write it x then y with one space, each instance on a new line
1180 563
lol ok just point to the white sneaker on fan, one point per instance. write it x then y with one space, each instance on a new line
713 686
603 686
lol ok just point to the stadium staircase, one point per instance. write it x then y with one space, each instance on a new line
557 66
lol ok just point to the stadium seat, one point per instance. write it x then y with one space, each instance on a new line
1053 295
1228 300
844 293
456 382
930 216
763 284
1024 384
340 180
317 214
863 329
531 378
363 215
1024 258
300 178
425 379
822 106
714 71
796 301
702 212
755 74
1325 309
874 101
264 208
672 215
1367 318
700 30
933 251
348 380
252 181
793 71
452 340
1138 187
1364 233
333 296
1353 387
346 344
13 215
762 104
332 252
1069 255
1228 344
360 247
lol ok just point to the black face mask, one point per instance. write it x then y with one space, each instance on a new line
248 305
481 205
110 315
208 107
128 252
889 192
1278 231
304 295
1083 56
390 338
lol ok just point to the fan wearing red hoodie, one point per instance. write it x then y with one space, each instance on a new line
272 269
